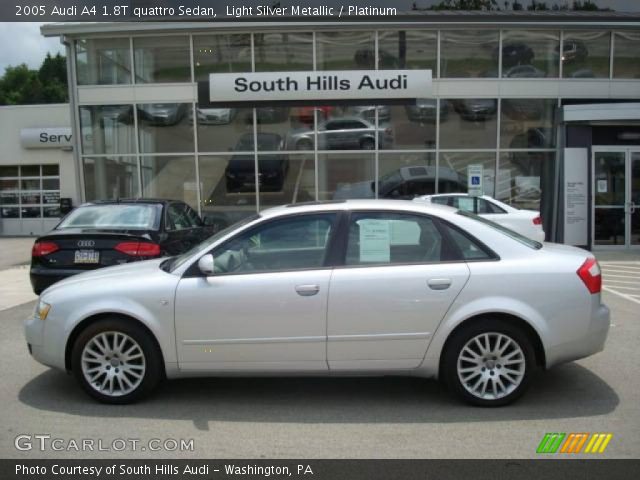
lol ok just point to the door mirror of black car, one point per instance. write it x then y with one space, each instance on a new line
205 264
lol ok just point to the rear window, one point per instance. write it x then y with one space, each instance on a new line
117 216
504 230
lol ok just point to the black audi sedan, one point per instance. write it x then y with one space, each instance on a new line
105 233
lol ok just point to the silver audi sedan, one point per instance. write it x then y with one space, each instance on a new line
375 287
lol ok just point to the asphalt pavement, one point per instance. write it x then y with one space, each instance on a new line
325 417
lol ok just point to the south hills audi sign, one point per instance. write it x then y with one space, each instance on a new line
315 86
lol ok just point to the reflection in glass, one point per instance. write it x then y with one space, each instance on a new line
527 123
404 176
625 55
227 53
219 206
340 50
164 59
471 123
414 126
609 226
107 129
286 179
609 174
468 53
30 170
345 175
172 177
453 169
410 49
524 178
103 61
585 54
165 127
529 53
283 52
222 129
109 178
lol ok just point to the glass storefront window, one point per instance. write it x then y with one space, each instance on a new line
170 177
345 50
530 54
410 49
163 59
283 52
404 176
25 190
411 126
469 53
524 177
8 171
470 123
30 170
165 127
103 61
346 175
50 170
625 55
286 179
223 201
222 129
585 54
110 177
527 123
452 170
107 129
221 54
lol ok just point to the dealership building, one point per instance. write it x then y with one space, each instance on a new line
212 113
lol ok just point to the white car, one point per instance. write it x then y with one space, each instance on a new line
525 222
361 287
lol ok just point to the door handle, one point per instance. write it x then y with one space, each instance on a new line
307 290
439 283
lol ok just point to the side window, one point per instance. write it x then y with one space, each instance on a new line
193 217
469 249
291 244
442 200
176 218
466 204
493 208
392 238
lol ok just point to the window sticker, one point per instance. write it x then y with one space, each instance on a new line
465 204
375 241
405 232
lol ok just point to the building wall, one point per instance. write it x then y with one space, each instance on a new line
13 119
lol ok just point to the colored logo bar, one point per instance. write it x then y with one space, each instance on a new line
574 443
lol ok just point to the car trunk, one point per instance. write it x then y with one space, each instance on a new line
82 249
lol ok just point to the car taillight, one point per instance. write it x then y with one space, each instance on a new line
590 274
537 220
138 249
40 249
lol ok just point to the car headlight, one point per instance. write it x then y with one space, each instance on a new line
42 310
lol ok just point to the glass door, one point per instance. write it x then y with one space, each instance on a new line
609 216
634 197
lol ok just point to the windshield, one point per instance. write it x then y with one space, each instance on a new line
504 230
114 216
180 259
390 180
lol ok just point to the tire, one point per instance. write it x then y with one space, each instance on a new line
367 144
304 145
488 365
94 363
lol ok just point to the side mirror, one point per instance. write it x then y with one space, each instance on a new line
205 264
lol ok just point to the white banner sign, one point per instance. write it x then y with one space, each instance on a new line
53 137
576 196
344 85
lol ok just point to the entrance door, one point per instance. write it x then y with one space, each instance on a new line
616 192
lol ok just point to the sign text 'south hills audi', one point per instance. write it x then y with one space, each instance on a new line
346 85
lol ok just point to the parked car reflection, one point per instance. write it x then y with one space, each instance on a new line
476 109
162 114
216 116
344 133
240 172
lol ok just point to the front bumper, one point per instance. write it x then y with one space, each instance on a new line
45 352
591 343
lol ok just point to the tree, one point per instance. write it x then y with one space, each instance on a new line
22 86
466 5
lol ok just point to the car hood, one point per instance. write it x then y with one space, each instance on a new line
126 272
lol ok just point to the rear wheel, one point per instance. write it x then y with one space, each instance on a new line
116 361
489 363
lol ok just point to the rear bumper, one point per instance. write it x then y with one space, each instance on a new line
589 344
43 278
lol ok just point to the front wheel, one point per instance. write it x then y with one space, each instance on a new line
116 361
489 363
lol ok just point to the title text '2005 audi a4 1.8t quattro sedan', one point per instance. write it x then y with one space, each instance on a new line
375 287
